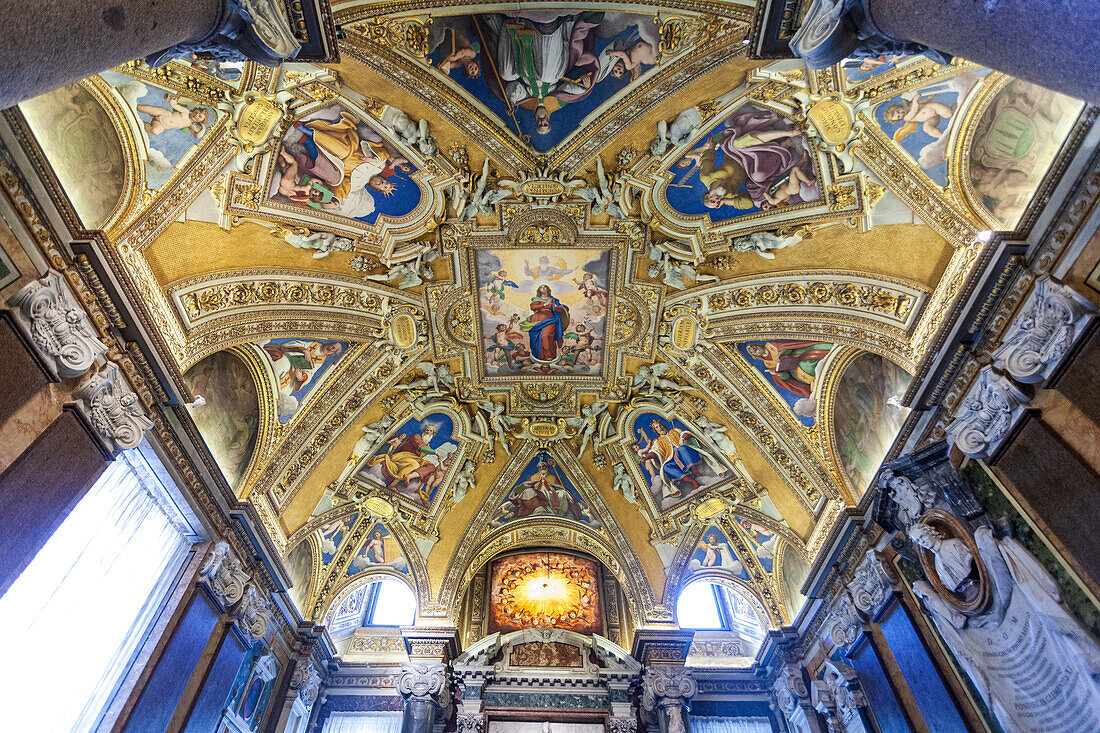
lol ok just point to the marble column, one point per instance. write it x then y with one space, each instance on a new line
425 682
1007 35
51 43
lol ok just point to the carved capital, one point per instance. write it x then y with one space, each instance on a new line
113 408
833 30
256 30
267 668
1040 336
471 723
667 686
843 624
423 683
871 585
224 575
623 725
986 415
254 612
307 681
789 689
46 311
843 684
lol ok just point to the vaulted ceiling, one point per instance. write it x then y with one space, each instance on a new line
597 246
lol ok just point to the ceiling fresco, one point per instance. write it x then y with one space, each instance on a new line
560 277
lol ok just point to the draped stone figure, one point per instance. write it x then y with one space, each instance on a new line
1031 661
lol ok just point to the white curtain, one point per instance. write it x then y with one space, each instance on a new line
366 722
708 724
79 611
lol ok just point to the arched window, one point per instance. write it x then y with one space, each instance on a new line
709 606
381 602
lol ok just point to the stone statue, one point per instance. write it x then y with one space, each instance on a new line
624 483
953 559
686 124
673 273
437 379
409 274
587 422
415 135
762 243
499 422
602 195
480 200
464 480
323 242
368 442
651 379
910 500
1025 648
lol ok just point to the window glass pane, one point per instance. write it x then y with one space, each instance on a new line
396 604
697 607
84 603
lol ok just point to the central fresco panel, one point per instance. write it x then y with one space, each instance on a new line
543 311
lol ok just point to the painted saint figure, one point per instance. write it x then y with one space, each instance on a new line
543 60
677 462
538 491
405 459
791 364
545 327
303 359
764 163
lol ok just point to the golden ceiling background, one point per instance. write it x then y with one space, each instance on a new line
562 277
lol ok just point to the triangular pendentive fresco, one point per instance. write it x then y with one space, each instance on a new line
793 368
300 365
380 549
714 552
332 161
675 463
541 73
543 489
920 121
413 459
754 160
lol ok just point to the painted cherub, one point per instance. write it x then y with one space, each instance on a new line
586 347
593 293
176 117
923 112
375 548
504 341
629 59
495 288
